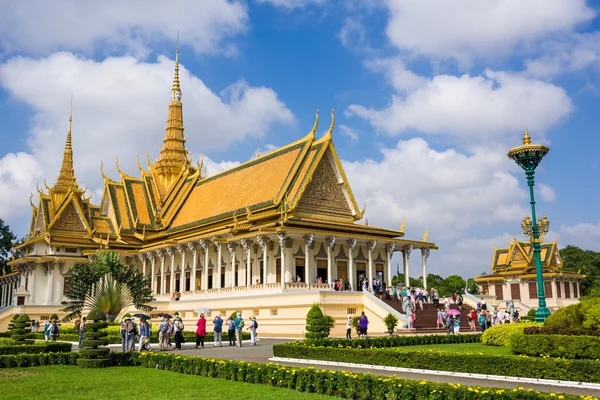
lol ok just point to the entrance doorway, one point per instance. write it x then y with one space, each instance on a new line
278 270
361 274
300 270
322 270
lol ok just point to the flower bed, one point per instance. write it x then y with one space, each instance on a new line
565 346
35 348
541 368
334 383
391 341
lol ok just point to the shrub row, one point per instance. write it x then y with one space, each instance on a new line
499 335
541 330
34 360
541 368
35 348
391 341
564 346
333 383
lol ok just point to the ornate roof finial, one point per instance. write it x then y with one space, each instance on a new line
316 125
176 90
426 234
330 130
403 225
526 138
66 176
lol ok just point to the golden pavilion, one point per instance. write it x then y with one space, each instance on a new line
267 237
514 277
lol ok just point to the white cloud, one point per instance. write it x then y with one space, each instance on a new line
291 4
481 106
464 30
546 192
585 235
40 26
446 191
120 110
348 132
472 256
353 35
395 70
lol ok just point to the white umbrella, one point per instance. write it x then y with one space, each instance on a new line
202 310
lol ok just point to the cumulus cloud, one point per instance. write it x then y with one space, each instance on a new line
40 26
348 132
472 256
464 30
291 4
396 72
585 235
120 110
546 192
482 106
447 191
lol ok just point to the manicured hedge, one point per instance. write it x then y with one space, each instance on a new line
542 330
35 348
542 368
342 384
392 341
34 360
499 335
564 346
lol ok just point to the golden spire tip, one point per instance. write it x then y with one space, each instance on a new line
526 137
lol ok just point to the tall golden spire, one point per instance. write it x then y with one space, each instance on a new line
173 154
66 176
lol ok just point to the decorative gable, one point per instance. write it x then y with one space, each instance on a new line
69 220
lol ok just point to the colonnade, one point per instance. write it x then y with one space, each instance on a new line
8 288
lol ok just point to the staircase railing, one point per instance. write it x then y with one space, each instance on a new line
472 300
402 319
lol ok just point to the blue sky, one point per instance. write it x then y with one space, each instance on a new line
429 97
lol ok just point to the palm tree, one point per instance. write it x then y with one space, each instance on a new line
107 285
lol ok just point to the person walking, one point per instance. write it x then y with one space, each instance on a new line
363 324
252 328
178 330
200 331
239 326
54 331
163 334
472 320
440 319
481 320
459 301
349 327
46 332
231 331
123 333
129 335
144 333
82 330
218 331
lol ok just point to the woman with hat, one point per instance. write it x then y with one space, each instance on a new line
349 327
200 331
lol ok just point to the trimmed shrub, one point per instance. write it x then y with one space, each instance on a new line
527 367
54 317
564 346
91 356
35 348
21 328
542 330
318 324
499 335
583 315
35 360
391 341
341 384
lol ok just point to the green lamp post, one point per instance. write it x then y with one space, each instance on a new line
528 156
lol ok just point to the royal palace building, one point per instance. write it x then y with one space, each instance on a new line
256 238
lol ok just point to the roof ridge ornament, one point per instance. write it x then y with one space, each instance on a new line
330 130
316 125
526 137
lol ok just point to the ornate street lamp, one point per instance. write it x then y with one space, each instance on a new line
529 156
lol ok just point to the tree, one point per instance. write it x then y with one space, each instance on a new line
472 286
585 261
453 283
6 243
318 324
107 285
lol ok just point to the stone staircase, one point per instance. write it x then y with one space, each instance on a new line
426 319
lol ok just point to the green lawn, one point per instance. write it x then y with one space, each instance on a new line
461 348
69 382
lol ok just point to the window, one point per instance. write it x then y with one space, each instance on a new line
548 289
533 290
351 311
499 293
71 250
255 312
187 281
152 316
273 312
485 288
342 270
157 291
515 291
567 290
575 291
168 284
44 317
558 291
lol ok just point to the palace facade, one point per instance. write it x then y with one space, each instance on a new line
257 238
514 278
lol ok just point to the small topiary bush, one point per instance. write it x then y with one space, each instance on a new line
318 324
499 335
54 317
21 328
91 356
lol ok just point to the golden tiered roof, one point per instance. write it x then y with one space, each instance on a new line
297 187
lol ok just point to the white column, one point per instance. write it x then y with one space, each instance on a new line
3 297
50 273
351 265
150 257
181 250
218 247
247 245
193 252
263 242
171 254
371 249
308 273
330 244
282 236
231 247
204 243
161 255
389 250
424 256
406 256
30 289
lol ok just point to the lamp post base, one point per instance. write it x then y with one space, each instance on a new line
541 314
